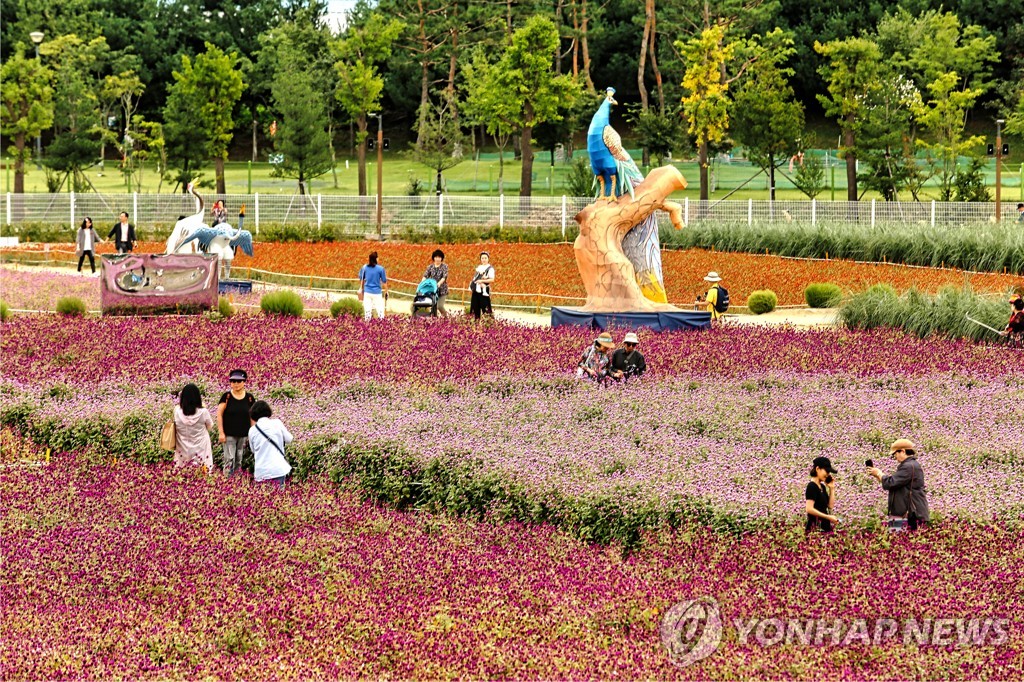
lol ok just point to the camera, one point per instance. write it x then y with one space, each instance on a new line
828 479
869 463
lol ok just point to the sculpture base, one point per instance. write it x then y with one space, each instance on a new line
234 286
678 320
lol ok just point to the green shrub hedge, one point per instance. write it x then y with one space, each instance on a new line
285 303
347 306
762 301
5 312
72 306
823 295
224 307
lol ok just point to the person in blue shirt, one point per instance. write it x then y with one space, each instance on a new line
373 288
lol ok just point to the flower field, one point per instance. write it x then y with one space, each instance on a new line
462 506
148 572
551 269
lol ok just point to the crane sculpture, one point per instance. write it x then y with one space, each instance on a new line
192 235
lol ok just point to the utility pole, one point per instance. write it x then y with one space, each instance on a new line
380 174
999 164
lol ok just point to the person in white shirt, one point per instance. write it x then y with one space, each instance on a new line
267 440
123 234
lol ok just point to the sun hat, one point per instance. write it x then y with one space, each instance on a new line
902 444
712 277
826 464
237 375
605 339
631 338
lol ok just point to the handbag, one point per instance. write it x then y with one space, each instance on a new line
168 436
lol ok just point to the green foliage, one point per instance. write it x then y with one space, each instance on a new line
224 307
441 140
809 176
762 301
347 306
5 312
285 303
660 133
71 306
969 183
27 100
302 134
989 249
944 314
823 295
579 181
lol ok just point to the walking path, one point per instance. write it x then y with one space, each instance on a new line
806 318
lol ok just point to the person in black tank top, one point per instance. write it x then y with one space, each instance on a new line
820 496
233 421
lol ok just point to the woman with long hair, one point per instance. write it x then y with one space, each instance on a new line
483 277
820 496
192 422
86 246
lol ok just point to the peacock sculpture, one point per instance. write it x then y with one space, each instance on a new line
615 173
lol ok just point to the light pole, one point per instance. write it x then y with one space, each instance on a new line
37 37
999 163
380 172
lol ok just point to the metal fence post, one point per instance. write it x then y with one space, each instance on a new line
686 210
135 207
501 210
71 203
319 211
563 217
256 211
933 212
440 211
872 213
814 212
750 211
8 208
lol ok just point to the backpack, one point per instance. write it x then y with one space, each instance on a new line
722 303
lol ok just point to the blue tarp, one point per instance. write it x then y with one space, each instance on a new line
659 322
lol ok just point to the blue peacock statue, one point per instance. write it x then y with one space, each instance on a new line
615 173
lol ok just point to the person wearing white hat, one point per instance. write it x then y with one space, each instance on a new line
717 297
627 362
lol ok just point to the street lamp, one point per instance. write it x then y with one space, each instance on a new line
380 171
999 162
37 37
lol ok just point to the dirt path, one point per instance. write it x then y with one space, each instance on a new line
806 318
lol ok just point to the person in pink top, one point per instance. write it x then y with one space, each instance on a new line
192 424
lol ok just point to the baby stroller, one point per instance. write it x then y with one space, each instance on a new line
424 304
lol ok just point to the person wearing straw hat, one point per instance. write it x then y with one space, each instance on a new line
627 362
594 363
908 505
717 297
1015 326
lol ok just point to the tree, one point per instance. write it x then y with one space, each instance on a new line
766 117
302 134
659 133
77 125
440 146
945 116
706 102
886 138
27 107
360 84
522 90
486 107
852 76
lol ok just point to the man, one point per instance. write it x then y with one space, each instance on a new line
907 505
717 297
123 235
627 362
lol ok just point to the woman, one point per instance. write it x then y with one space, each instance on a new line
220 213
483 277
233 421
594 363
269 438
373 288
820 496
192 422
438 271
87 241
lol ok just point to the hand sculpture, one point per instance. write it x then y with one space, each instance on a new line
608 275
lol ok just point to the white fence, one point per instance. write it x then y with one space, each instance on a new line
358 215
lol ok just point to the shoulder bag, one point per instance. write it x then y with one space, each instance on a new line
168 437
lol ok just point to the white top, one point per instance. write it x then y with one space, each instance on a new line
269 462
482 272
87 242
124 231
